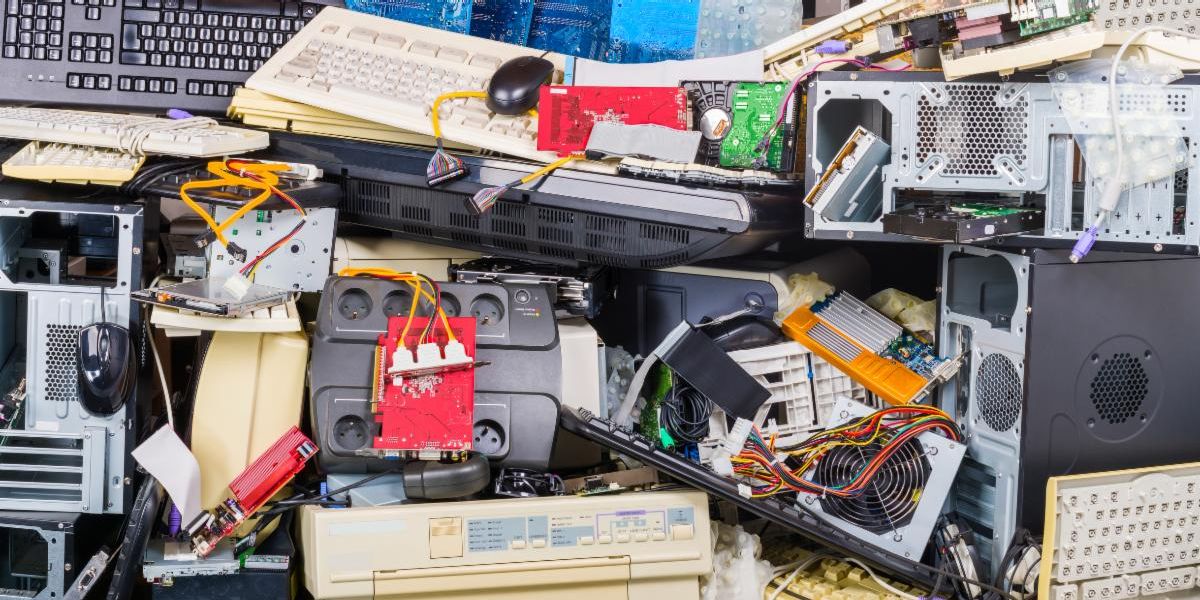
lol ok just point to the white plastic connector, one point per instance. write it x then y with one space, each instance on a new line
721 464
237 285
429 358
737 437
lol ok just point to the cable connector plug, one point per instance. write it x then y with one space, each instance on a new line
721 463
1084 244
203 240
735 440
237 252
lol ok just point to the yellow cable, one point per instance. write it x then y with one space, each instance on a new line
546 170
396 275
226 177
436 119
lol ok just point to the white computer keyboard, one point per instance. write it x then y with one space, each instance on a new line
150 135
72 164
390 72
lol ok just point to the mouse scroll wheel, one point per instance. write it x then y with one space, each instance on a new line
102 344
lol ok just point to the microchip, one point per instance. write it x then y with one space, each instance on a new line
566 114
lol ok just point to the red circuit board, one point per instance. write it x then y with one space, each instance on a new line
272 469
431 412
252 489
566 113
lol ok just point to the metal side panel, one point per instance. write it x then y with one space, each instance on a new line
987 396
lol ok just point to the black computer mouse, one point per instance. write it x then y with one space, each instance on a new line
514 86
744 332
106 367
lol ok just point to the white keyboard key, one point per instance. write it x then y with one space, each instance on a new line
484 61
363 34
452 54
389 40
425 48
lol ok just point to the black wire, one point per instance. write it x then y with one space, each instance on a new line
684 414
361 482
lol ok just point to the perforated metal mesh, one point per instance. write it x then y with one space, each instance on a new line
1129 15
1119 388
998 391
59 379
972 129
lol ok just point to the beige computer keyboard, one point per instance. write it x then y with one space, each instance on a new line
390 72
259 109
67 163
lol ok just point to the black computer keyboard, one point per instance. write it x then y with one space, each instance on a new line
157 54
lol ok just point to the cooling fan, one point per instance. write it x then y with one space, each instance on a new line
895 491
899 509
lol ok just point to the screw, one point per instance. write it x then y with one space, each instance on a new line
1028 310
67 567
136 250
1158 247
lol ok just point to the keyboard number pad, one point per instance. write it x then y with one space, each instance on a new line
33 29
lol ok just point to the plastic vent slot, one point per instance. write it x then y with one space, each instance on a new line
1119 388
60 378
998 391
972 129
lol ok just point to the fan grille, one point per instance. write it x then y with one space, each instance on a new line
999 392
1120 388
891 497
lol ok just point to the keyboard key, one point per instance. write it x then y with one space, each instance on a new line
141 16
133 58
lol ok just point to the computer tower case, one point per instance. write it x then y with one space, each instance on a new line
41 553
1069 368
57 455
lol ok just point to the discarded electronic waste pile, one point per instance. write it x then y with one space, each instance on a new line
633 299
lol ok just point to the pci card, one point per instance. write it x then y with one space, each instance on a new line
423 416
566 114
251 489
870 348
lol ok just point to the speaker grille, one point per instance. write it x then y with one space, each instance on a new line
1119 388
998 388
62 344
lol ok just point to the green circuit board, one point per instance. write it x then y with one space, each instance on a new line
980 209
1080 12
753 107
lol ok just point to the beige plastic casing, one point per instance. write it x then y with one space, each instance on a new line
426 550
399 255
250 392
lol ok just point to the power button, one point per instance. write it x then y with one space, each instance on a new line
522 296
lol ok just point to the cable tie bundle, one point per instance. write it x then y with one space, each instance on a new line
131 138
